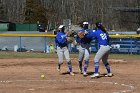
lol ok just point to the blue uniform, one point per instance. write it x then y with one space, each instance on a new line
84 40
104 48
103 38
62 49
84 45
61 40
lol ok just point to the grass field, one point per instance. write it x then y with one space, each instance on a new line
54 55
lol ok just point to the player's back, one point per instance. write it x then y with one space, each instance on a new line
102 37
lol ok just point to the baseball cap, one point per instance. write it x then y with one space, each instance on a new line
61 26
85 22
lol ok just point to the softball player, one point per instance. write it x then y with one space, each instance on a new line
84 45
103 41
62 49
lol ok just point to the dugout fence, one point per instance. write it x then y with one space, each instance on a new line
42 42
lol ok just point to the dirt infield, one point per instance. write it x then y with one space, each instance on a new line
23 76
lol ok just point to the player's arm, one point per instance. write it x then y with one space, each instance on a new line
91 34
61 38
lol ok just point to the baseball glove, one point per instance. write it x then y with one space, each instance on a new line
71 33
70 39
81 34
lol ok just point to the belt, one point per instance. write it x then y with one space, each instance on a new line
104 45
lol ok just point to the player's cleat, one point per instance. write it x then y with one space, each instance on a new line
85 74
72 74
95 75
109 75
58 68
80 71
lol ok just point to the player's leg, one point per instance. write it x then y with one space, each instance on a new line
80 57
60 57
86 61
97 58
67 57
106 63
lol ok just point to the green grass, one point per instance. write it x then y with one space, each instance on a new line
125 56
26 55
10 54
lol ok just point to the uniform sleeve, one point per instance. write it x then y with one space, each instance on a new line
61 38
91 34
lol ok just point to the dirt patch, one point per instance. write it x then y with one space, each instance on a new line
122 61
23 76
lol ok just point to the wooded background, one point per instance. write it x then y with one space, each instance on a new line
122 15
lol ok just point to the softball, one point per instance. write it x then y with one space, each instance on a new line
42 76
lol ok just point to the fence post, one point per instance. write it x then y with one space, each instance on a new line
45 44
20 43
131 45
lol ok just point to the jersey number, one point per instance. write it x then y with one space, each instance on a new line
103 36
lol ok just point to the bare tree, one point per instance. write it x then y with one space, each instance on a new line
2 11
111 12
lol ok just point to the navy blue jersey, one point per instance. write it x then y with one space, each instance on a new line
103 38
61 40
85 40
